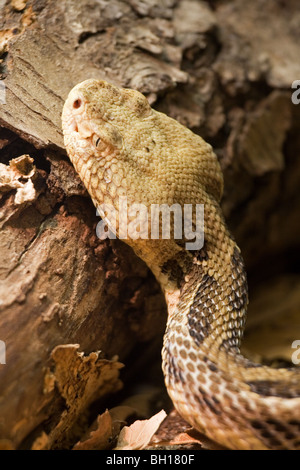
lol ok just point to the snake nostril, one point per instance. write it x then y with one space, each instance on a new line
77 103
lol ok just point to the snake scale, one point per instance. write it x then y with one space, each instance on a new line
120 146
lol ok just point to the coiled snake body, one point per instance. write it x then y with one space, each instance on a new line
121 147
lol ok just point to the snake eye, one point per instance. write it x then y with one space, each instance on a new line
77 103
96 140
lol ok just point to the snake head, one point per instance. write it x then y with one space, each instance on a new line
102 112
114 131
121 147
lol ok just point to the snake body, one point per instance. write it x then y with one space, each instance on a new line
120 146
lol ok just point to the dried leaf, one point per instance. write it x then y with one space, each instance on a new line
138 435
195 438
105 429
184 438
101 437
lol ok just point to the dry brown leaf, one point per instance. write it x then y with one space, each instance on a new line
105 429
101 437
139 434
184 438
189 440
191 436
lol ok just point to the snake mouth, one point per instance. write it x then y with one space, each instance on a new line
78 128
81 136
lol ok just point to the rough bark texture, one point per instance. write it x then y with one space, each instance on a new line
222 68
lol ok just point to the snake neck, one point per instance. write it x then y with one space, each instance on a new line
206 290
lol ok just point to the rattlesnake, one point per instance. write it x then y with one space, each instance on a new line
121 147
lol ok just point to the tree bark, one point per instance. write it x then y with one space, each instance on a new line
72 306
